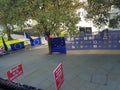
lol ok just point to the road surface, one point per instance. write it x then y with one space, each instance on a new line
81 71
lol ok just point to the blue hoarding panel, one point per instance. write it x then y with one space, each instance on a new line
17 46
35 42
103 40
58 45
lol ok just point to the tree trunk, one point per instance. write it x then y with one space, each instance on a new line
9 35
49 42
49 46
21 28
8 32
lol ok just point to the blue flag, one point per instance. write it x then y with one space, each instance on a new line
28 36
17 46
4 44
35 42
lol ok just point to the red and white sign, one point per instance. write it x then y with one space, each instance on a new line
15 72
58 76
1 51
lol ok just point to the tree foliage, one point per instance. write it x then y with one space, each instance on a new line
52 15
12 12
100 12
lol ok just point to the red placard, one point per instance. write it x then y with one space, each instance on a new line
58 76
14 72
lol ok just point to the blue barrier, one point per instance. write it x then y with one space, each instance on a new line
58 45
103 40
35 42
17 46
20 45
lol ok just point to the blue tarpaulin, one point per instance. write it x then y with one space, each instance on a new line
26 35
17 46
35 42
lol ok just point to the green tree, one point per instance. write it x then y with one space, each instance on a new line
99 12
12 12
52 15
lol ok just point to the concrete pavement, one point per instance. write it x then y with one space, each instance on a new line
82 72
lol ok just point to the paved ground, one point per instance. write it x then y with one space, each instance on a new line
82 72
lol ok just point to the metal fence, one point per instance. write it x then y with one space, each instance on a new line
7 85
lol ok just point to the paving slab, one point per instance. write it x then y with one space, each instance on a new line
81 71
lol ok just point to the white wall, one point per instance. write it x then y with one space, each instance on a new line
83 22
